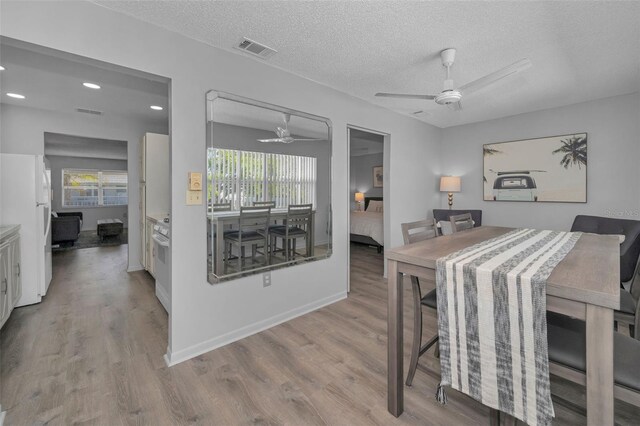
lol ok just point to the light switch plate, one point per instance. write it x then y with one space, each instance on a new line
194 198
266 279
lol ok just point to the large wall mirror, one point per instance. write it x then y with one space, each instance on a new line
268 187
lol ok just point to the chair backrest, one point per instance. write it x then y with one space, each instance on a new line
254 218
444 214
271 204
412 232
630 247
221 207
299 216
460 222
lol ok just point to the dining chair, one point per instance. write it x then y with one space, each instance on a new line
442 218
296 225
629 312
567 356
253 228
461 222
271 204
413 232
218 208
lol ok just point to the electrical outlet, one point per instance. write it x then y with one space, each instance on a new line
266 279
194 198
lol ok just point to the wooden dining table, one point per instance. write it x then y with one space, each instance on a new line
584 285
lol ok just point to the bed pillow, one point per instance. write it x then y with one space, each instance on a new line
375 206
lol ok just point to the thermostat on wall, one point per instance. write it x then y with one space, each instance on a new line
195 181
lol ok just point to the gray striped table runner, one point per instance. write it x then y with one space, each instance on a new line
492 321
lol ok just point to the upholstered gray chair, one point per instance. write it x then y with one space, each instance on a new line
629 313
567 356
253 229
411 233
297 225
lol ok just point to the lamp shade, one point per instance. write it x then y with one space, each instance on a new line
359 197
450 184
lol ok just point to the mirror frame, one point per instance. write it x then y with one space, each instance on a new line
211 96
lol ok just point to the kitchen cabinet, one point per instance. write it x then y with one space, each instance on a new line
10 273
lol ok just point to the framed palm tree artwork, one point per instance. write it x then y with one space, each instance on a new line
549 169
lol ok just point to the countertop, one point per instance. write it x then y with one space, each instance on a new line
7 231
156 217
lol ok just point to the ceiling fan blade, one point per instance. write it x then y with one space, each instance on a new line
482 82
404 96
271 140
456 106
308 140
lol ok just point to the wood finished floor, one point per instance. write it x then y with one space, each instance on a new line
91 353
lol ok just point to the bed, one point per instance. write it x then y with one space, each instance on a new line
367 227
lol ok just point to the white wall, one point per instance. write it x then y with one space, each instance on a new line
205 316
362 176
22 132
90 215
612 174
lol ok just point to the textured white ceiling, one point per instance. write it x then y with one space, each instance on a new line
580 50
53 80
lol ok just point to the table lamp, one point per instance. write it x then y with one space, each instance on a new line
359 199
450 184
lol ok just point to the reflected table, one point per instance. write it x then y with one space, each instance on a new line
219 220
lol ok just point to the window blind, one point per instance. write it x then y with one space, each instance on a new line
242 177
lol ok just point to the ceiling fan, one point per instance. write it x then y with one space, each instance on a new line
453 97
284 136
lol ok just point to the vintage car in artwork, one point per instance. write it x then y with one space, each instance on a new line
516 185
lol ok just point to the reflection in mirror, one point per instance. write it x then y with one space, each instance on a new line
268 187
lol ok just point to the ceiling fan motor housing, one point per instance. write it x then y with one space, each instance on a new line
448 97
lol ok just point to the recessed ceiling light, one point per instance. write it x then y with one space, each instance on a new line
2 68
91 85
156 107
16 95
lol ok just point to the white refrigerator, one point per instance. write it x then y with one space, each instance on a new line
25 199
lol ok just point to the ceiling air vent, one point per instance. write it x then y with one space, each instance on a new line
256 49
89 111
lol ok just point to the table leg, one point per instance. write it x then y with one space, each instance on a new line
395 385
599 366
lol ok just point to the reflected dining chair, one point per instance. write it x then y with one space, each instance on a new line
253 229
411 233
296 225
461 222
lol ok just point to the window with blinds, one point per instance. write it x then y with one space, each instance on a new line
94 188
242 177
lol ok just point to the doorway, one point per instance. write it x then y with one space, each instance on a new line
368 187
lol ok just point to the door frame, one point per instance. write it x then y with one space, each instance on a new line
386 154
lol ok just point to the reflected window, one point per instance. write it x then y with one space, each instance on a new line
244 177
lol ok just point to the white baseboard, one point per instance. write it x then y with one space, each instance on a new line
163 297
135 268
208 345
